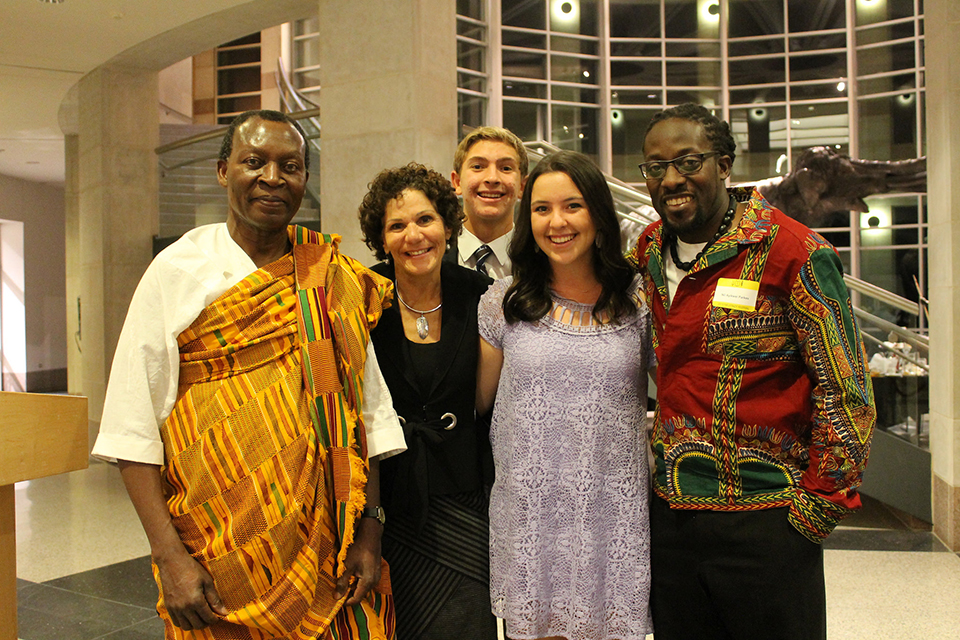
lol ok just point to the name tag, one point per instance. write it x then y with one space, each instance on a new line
736 294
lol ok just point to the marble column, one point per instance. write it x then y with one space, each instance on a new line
942 22
113 168
389 77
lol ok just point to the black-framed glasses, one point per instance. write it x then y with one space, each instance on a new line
686 165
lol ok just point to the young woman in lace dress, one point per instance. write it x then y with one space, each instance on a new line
564 354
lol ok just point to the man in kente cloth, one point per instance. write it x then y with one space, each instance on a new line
246 412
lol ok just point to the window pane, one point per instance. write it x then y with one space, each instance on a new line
627 128
471 110
635 72
524 39
531 14
306 26
820 124
762 94
470 8
472 82
763 71
643 96
525 64
888 127
755 17
755 47
681 20
471 30
816 15
693 50
901 82
566 69
888 58
517 89
306 53
471 56
868 13
635 49
525 119
574 16
706 97
562 44
827 91
574 94
760 134
632 19
818 67
823 41
575 128
693 74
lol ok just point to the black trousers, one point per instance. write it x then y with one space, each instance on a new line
746 575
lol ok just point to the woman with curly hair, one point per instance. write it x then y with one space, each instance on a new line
564 353
434 493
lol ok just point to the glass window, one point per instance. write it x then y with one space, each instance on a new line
635 49
755 18
471 56
575 128
822 124
573 94
307 26
884 84
564 69
247 55
626 72
632 19
306 53
471 30
516 89
869 12
524 39
819 41
693 74
564 44
816 15
888 127
820 91
531 14
524 64
818 67
886 58
760 134
471 110
760 94
681 20
706 97
766 46
471 82
642 96
693 50
762 71
307 78
526 119
627 128
574 16
471 8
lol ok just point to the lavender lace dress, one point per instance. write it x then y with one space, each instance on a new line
569 525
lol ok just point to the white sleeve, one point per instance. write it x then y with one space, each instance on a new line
384 434
143 378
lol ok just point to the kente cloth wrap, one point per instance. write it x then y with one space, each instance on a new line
265 451
762 408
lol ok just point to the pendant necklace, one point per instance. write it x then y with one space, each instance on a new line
423 327
724 225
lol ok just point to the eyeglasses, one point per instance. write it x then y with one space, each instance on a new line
686 165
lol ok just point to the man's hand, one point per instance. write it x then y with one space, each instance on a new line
189 594
362 562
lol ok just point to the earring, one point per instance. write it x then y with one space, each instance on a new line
597 240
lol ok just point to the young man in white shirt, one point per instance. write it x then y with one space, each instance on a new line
489 171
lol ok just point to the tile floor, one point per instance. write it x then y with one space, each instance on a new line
83 571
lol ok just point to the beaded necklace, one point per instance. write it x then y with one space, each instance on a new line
724 225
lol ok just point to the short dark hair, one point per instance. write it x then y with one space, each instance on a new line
718 131
390 184
226 147
528 298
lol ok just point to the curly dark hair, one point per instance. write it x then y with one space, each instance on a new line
718 131
389 184
528 298
226 147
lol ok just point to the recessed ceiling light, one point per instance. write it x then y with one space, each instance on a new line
51 1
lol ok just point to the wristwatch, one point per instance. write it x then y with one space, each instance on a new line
377 513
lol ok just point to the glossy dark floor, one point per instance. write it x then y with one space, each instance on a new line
86 576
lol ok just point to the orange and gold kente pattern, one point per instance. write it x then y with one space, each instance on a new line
265 454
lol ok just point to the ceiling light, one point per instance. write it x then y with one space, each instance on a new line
51 1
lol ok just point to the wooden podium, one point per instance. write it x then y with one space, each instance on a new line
40 435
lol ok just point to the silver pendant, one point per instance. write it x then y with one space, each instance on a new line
423 329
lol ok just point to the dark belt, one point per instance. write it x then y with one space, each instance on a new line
412 469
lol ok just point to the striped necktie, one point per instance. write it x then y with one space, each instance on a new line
481 254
